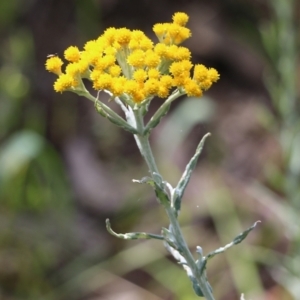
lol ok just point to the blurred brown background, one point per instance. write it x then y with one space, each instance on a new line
64 169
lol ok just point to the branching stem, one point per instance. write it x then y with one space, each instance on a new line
146 151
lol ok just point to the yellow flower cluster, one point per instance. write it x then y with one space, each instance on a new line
129 65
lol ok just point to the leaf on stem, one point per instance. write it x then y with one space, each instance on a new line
169 239
162 111
238 239
132 235
184 180
108 113
181 260
158 185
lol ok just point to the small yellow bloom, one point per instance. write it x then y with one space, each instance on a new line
174 52
53 64
90 46
72 69
178 33
140 75
151 87
118 86
180 67
182 53
166 81
146 44
160 29
179 80
213 74
205 84
163 92
180 18
64 82
115 71
110 35
110 50
117 46
133 89
103 82
173 33
134 44
165 84
123 36
137 59
138 97
192 88
95 74
176 69
171 52
91 55
152 59
138 35
83 66
153 73
200 72
161 49
105 62
72 54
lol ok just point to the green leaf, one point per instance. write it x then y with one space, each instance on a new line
132 235
196 287
108 113
238 239
160 193
184 180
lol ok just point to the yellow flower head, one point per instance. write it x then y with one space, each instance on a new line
136 58
73 69
115 71
173 33
151 87
118 86
205 77
103 82
178 34
213 74
110 35
53 64
192 88
64 82
129 65
153 73
123 36
181 67
152 59
140 75
133 89
160 29
180 18
200 73
72 54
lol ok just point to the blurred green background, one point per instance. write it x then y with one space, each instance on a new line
64 169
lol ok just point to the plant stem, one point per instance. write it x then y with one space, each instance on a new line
146 151
144 145
186 253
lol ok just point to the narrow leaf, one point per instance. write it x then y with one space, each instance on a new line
161 196
184 180
108 113
235 241
132 235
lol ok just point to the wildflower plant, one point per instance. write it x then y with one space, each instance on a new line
133 71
